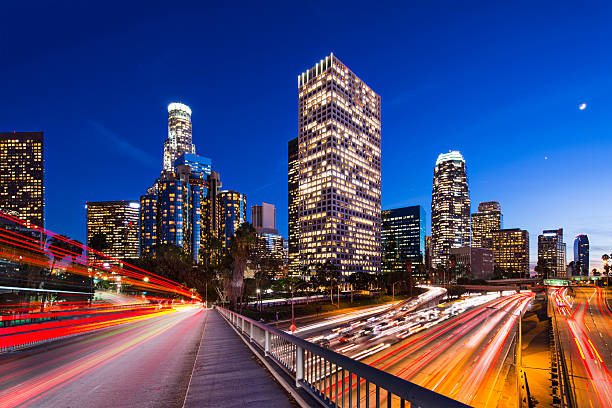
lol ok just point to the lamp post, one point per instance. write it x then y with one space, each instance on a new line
258 291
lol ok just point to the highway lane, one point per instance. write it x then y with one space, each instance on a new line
584 324
465 357
147 363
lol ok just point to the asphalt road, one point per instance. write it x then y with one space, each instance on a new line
584 321
142 364
464 358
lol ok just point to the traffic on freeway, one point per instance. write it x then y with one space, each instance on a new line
460 349
584 324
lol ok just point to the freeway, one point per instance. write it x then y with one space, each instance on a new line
584 324
465 356
146 363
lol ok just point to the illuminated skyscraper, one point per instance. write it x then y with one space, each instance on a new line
339 136
450 207
488 219
179 134
21 176
552 251
403 238
233 210
581 255
114 223
148 222
511 252
293 244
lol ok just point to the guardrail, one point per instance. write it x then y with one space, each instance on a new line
332 379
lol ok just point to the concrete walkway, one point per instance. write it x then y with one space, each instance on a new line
227 374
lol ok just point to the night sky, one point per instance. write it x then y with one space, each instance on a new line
501 84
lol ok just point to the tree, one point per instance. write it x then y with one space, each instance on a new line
241 245
542 268
328 275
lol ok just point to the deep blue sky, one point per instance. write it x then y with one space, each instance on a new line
502 84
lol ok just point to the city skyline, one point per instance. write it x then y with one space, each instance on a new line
559 133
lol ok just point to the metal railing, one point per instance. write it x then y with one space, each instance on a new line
332 379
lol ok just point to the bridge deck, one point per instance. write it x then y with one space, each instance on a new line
227 374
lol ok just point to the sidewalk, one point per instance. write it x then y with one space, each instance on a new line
227 374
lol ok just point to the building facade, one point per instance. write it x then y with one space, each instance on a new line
403 238
148 222
233 210
339 196
116 224
489 218
450 207
293 241
581 255
263 218
22 191
478 262
179 134
511 252
552 251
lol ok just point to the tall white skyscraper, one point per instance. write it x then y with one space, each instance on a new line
179 134
339 162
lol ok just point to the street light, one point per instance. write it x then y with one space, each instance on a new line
258 291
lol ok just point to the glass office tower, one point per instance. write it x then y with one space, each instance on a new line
581 255
403 238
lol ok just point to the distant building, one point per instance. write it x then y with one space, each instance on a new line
403 238
233 211
478 261
197 164
293 240
511 252
148 222
179 134
22 192
428 253
114 223
173 215
552 251
450 207
339 137
581 255
263 218
489 218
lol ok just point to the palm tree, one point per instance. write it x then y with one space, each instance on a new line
241 245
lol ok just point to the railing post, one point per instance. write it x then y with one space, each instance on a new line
242 324
251 333
299 366
267 344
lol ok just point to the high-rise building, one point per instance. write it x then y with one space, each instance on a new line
403 238
197 164
479 262
179 134
450 207
489 218
552 251
263 218
233 211
511 252
293 245
112 228
581 255
148 222
427 253
339 137
21 176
